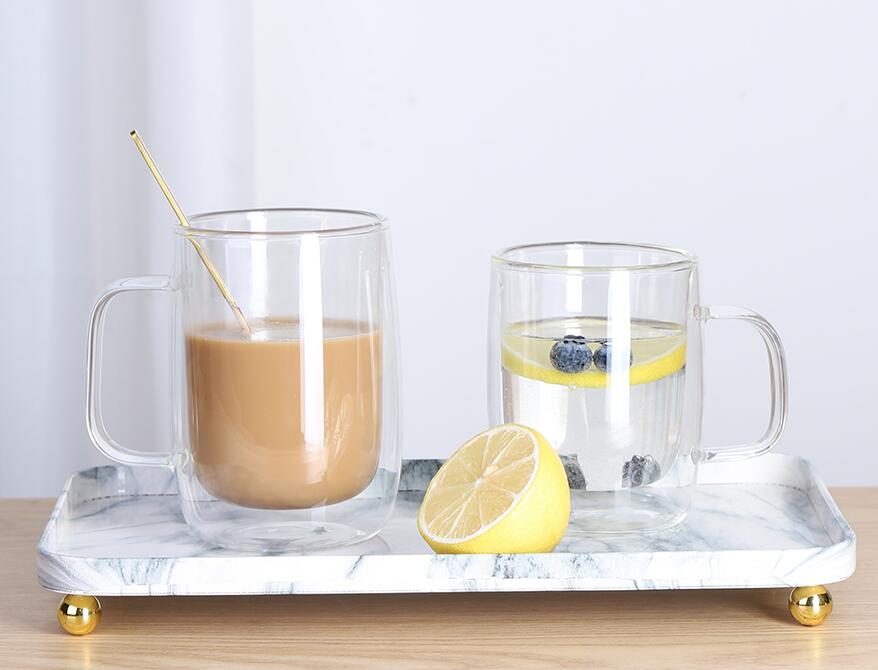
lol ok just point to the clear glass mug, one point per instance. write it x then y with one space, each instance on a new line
599 347
286 437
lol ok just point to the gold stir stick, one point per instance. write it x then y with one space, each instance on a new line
181 217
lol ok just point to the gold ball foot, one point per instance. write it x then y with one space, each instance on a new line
810 605
79 615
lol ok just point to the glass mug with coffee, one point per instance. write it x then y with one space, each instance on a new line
598 347
285 423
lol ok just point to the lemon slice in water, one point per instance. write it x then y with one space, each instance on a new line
657 350
505 491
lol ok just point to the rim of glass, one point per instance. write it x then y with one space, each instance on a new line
684 259
371 223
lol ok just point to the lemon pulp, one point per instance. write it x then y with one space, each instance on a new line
504 491
658 349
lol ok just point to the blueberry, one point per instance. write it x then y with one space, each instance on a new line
575 477
603 357
640 471
570 354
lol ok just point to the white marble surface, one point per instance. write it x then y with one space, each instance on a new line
766 522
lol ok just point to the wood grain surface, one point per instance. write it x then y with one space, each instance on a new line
659 629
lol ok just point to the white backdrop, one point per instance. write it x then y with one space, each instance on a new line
743 131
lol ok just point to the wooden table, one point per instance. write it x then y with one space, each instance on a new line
658 629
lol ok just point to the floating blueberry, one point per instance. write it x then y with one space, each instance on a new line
603 357
640 471
570 354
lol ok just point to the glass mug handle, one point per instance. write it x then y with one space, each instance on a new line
94 417
777 370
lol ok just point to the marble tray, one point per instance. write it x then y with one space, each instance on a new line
766 522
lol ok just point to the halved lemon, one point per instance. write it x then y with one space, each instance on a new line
657 350
503 492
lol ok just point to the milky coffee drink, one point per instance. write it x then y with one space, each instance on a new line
280 421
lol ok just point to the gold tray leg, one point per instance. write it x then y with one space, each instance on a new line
79 615
810 605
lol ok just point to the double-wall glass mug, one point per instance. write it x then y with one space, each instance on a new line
285 423
598 346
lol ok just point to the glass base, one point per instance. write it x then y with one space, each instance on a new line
252 529
626 510
280 537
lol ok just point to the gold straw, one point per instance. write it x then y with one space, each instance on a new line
181 217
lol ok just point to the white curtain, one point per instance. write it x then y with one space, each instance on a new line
743 131
80 208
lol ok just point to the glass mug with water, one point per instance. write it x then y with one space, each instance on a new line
285 429
598 347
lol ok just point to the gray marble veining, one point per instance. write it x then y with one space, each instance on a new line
761 523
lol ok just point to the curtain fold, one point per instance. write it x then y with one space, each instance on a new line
82 209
